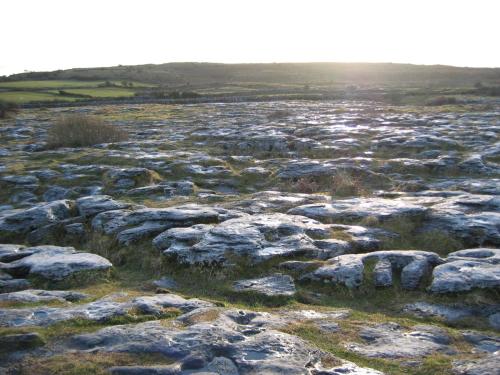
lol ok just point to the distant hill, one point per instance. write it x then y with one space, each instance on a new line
203 74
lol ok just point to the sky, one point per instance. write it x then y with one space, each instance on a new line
59 34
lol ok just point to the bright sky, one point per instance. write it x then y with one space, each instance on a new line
59 34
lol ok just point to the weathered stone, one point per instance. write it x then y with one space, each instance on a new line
13 285
466 270
35 295
55 263
275 285
449 313
348 269
356 209
390 341
20 180
382 273
482 342
36 217
94 204
155 304
55 193
488 365
257 237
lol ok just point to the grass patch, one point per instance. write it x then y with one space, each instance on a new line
86 363
100 92
82 130
20 97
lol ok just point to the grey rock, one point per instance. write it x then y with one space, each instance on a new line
390 341
13 285
166 283
494 320
275 285
178 188
36 217
126 178
356 209
55 193
466 270
155 304
36 295
257 237
21 180
196 347
382 273
488 365
100 310
145 370
25 198
222 366
94 204
140 232
264 201
482 342
10 252
449 313
55 263
348 269
75 229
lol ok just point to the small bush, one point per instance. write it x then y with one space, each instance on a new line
345 184
305 185
279 114
7 109
442 100
82 130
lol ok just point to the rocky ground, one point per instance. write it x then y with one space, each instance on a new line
338 237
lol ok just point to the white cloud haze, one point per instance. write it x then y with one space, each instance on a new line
58 34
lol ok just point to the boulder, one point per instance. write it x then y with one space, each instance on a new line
256 237
391 341
275 285
55 263
465 270
94 204
349 269
357 209
24 221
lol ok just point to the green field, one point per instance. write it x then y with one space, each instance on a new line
102 92
58 84
20 97
49 90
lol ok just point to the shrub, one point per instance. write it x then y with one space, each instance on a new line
82 130
442 100
305 185
345 184
279 114
7 108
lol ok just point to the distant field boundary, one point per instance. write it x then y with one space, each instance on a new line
223 99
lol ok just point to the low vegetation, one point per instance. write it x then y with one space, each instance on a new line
345 184
79 130
7 108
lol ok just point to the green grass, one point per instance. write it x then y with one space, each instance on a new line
108 92
86 363
31 96
56 84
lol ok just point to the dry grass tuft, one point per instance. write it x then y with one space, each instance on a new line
305 185
346 185
7 109
80 130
